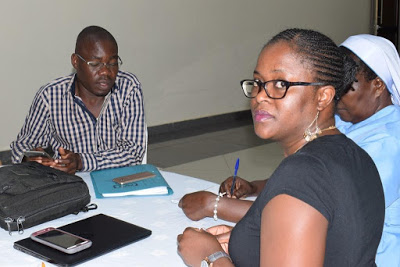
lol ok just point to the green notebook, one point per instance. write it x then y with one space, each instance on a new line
104 186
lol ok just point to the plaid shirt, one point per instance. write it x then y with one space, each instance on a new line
58 118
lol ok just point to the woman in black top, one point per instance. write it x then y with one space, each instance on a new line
323 206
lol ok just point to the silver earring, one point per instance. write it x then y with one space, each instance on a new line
308 134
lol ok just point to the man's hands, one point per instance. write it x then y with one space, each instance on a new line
40 159
68 162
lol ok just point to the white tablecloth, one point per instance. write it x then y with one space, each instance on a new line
160 214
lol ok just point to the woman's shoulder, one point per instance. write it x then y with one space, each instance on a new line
321 161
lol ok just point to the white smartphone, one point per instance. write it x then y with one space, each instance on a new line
61 240
34 153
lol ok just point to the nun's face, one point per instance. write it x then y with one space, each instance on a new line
360 102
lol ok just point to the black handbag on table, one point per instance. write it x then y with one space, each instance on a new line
31 194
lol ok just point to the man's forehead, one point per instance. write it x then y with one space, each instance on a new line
93 46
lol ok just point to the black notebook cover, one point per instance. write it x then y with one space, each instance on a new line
105 232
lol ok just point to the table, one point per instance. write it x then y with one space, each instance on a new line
160 214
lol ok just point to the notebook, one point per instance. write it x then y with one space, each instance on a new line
105 232
104 186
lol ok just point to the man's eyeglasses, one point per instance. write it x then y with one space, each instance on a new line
275 89
97 65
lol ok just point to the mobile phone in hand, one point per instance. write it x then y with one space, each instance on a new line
61 240
35 153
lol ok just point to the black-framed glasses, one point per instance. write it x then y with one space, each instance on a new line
275 89
97 65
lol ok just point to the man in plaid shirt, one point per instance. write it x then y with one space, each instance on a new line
92 119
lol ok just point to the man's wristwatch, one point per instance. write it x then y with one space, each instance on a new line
213 257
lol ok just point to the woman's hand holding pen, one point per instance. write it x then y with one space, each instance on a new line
242 188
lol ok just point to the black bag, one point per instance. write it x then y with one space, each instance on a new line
31 194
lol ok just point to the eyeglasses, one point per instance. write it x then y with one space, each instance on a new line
275 89
97 65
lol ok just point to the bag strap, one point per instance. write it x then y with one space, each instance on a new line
91 206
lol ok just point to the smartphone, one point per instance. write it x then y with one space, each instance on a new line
133 177
61 240
34 153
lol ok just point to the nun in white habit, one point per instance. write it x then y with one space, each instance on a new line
370 115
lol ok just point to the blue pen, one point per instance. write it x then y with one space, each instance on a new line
234 176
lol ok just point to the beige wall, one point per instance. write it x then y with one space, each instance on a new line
189 55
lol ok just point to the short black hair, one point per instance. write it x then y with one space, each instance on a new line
321 53
93 33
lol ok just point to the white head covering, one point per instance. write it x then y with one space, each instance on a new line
381 56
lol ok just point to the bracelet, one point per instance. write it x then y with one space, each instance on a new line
208 261
216 205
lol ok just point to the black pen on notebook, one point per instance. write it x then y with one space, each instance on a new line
234 176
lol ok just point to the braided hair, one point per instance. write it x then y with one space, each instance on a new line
361 67
327 60
354 65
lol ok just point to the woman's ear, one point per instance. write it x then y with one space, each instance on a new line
325 96
378 86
